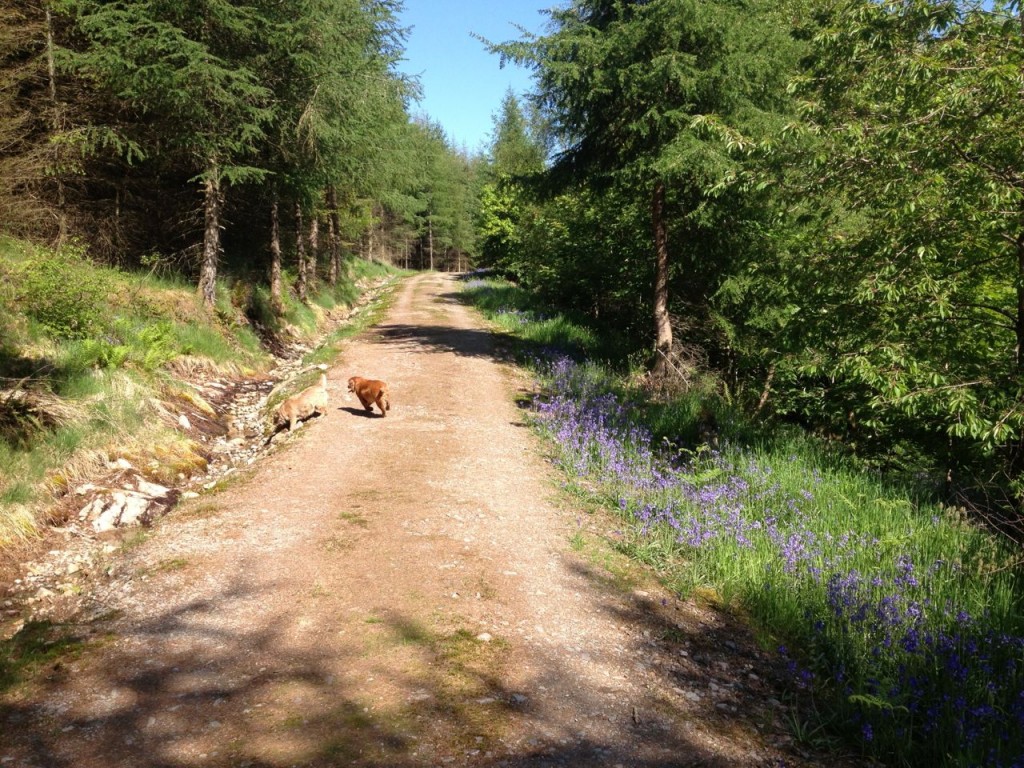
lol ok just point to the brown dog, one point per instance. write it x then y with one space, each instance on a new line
370 391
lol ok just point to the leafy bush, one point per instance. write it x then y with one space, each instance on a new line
64 293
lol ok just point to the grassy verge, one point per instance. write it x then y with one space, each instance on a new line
89 356
539 334
900 621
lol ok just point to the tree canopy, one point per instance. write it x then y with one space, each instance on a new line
825 198
179 131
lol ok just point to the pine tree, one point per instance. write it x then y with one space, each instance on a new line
183 69
663 96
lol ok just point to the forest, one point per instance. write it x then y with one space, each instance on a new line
801 215
818 202
177 136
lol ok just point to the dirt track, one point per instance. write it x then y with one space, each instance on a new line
403 591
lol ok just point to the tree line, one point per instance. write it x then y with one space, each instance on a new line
821 201
187 134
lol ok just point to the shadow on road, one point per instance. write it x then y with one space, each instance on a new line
182 689
469 342
361 412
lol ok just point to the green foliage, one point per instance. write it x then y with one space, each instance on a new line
887 311
672 88
157 342
433 198
845 252
517 150
536 333
98 353
183 65
63 293
672 101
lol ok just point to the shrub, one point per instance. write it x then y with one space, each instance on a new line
63 293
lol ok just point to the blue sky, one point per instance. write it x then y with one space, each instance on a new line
462 83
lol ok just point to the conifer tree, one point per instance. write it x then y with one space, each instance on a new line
662 96
516 153
26 120
183 70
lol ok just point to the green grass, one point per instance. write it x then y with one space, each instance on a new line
903 619
91 349
515 313
38 643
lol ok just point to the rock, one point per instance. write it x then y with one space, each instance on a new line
91 510
109 513
184 423
137 504
152 490
484 637
133 510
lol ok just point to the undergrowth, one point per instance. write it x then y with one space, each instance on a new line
899 620
87 354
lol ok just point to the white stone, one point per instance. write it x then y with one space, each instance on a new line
134 508
152 490
108 518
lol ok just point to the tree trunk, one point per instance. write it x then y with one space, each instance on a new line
314 252
1020 303
333 235
276 298
211 237
662 324
369 236
300 250
430 242
58 127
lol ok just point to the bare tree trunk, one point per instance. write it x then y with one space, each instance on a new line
314 253
211 237
333 235
276 298
58 127
300 250
767 390
430 241
662 324
1020 302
